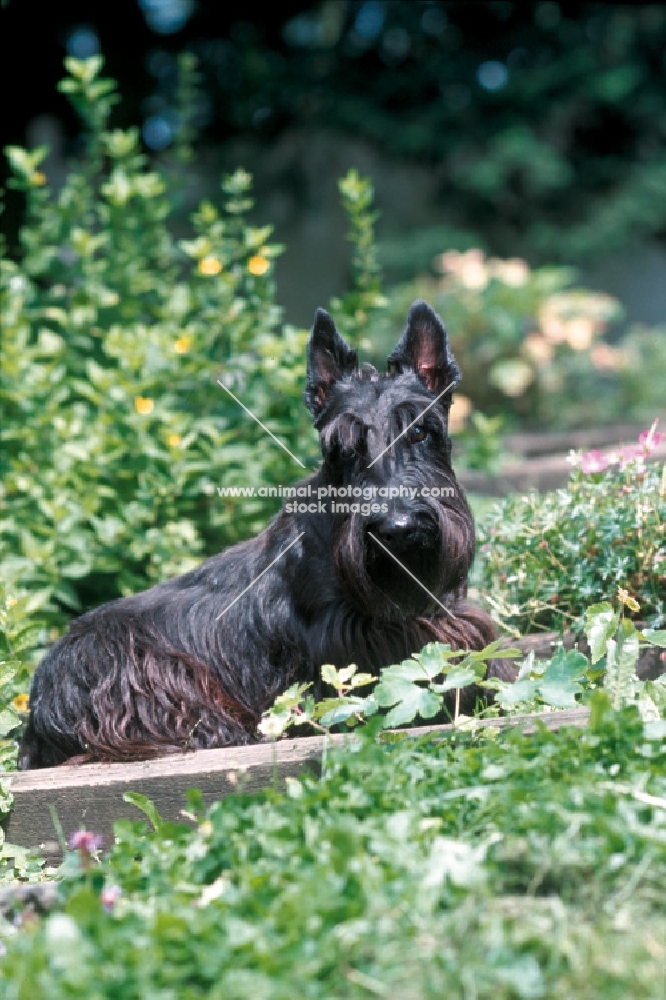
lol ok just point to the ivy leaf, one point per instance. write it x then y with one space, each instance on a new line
337 710
459 677
433 658
409 700
560 683
513 694
600 625
408 671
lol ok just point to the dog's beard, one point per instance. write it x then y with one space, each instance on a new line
415 574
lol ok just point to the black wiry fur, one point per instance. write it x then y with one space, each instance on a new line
159 672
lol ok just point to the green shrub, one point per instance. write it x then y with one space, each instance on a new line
114 336
116 434
544 558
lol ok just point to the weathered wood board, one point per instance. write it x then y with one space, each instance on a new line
91 795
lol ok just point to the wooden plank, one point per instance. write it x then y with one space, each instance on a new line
91 795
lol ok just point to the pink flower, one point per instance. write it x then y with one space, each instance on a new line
85 841
631 453
593 461
109 896
650 439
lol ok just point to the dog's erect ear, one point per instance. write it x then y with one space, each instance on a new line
424 347
329 358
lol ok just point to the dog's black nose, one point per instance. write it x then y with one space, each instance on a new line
398 530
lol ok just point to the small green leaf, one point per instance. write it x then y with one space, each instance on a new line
458 678
494 652
434 657
560 683
412 701
6 796
346 673
656 636
146 806
340 709
600 625
9 721
513 694
362 680
329 675
409 671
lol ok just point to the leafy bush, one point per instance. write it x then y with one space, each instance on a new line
545 557
479 865
115 335
21 633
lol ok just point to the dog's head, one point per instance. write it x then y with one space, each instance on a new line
404 532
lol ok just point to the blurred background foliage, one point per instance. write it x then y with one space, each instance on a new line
543 124
536 350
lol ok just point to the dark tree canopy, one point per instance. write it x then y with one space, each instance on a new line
541 120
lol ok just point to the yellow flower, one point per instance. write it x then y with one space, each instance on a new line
21 702
625 598
174 440
182 345
258 264
11 601
38 178
143 405
209 265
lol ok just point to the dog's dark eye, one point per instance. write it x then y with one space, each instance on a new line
418 433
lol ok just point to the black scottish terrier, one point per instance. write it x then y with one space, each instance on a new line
368 570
